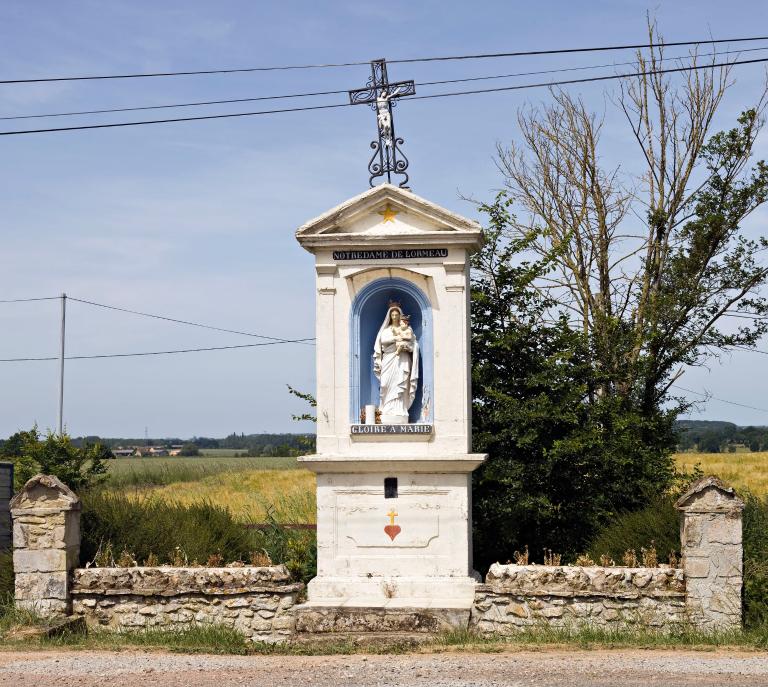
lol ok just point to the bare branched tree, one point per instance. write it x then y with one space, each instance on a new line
652 267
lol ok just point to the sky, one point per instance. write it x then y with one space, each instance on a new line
196 221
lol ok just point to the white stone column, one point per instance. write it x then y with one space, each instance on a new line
711 542
46 545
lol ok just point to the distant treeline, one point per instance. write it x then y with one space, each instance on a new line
249 444
720 437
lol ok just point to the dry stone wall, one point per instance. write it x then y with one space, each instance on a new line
259 601
519 596
255 601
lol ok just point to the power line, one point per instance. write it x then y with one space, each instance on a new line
29 300
194 104
526 53
651 72
722 400
751 350
188 73
529 53
146 353
176 119
230 101
414 97
189 323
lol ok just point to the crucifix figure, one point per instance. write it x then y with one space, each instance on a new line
381 95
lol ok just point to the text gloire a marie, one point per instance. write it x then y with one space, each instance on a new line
391 429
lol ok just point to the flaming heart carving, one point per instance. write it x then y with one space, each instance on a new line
392 530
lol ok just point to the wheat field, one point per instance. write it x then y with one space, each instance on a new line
251 495
254 489
740 470
257 489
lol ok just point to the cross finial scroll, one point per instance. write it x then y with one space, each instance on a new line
381 95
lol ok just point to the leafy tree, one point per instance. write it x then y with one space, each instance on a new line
308 443
189 449
710 443
590 303
55 454
562 459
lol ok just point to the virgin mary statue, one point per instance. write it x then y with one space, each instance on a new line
396 366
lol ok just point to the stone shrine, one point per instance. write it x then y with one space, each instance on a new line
393 457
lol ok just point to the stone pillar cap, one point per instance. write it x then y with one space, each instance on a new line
45 492
709 494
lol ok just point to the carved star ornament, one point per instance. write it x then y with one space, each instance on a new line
388 214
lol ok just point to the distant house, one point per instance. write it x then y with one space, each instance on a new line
153 451
123 452
174 452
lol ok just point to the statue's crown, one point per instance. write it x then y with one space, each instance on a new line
395 304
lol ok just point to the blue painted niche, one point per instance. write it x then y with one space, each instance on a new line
368 311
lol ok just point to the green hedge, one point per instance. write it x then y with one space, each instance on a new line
660 523
194 533
150 525
657 523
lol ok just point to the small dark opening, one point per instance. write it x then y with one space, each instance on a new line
390 487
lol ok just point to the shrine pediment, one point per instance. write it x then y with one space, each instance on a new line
388 213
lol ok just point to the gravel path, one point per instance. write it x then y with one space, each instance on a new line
614 668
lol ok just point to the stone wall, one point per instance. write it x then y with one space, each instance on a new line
519 596
260 601
255 601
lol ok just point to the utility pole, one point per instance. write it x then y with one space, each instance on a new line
61 363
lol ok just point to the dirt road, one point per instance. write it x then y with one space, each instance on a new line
549 668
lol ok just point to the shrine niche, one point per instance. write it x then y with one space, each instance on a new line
391 366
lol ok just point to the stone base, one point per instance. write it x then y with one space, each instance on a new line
45 608
313 618
391 592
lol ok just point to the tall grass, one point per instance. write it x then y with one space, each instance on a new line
149 525
288 495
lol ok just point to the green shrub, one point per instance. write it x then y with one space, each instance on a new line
169 532
150 525
6 576
658 522
55 454
295 548
755 532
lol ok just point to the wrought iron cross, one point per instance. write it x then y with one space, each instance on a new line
381 95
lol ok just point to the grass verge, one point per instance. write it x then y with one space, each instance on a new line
220 640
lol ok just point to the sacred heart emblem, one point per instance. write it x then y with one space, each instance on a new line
392 531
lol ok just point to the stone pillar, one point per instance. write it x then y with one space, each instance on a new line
46 545
710 535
